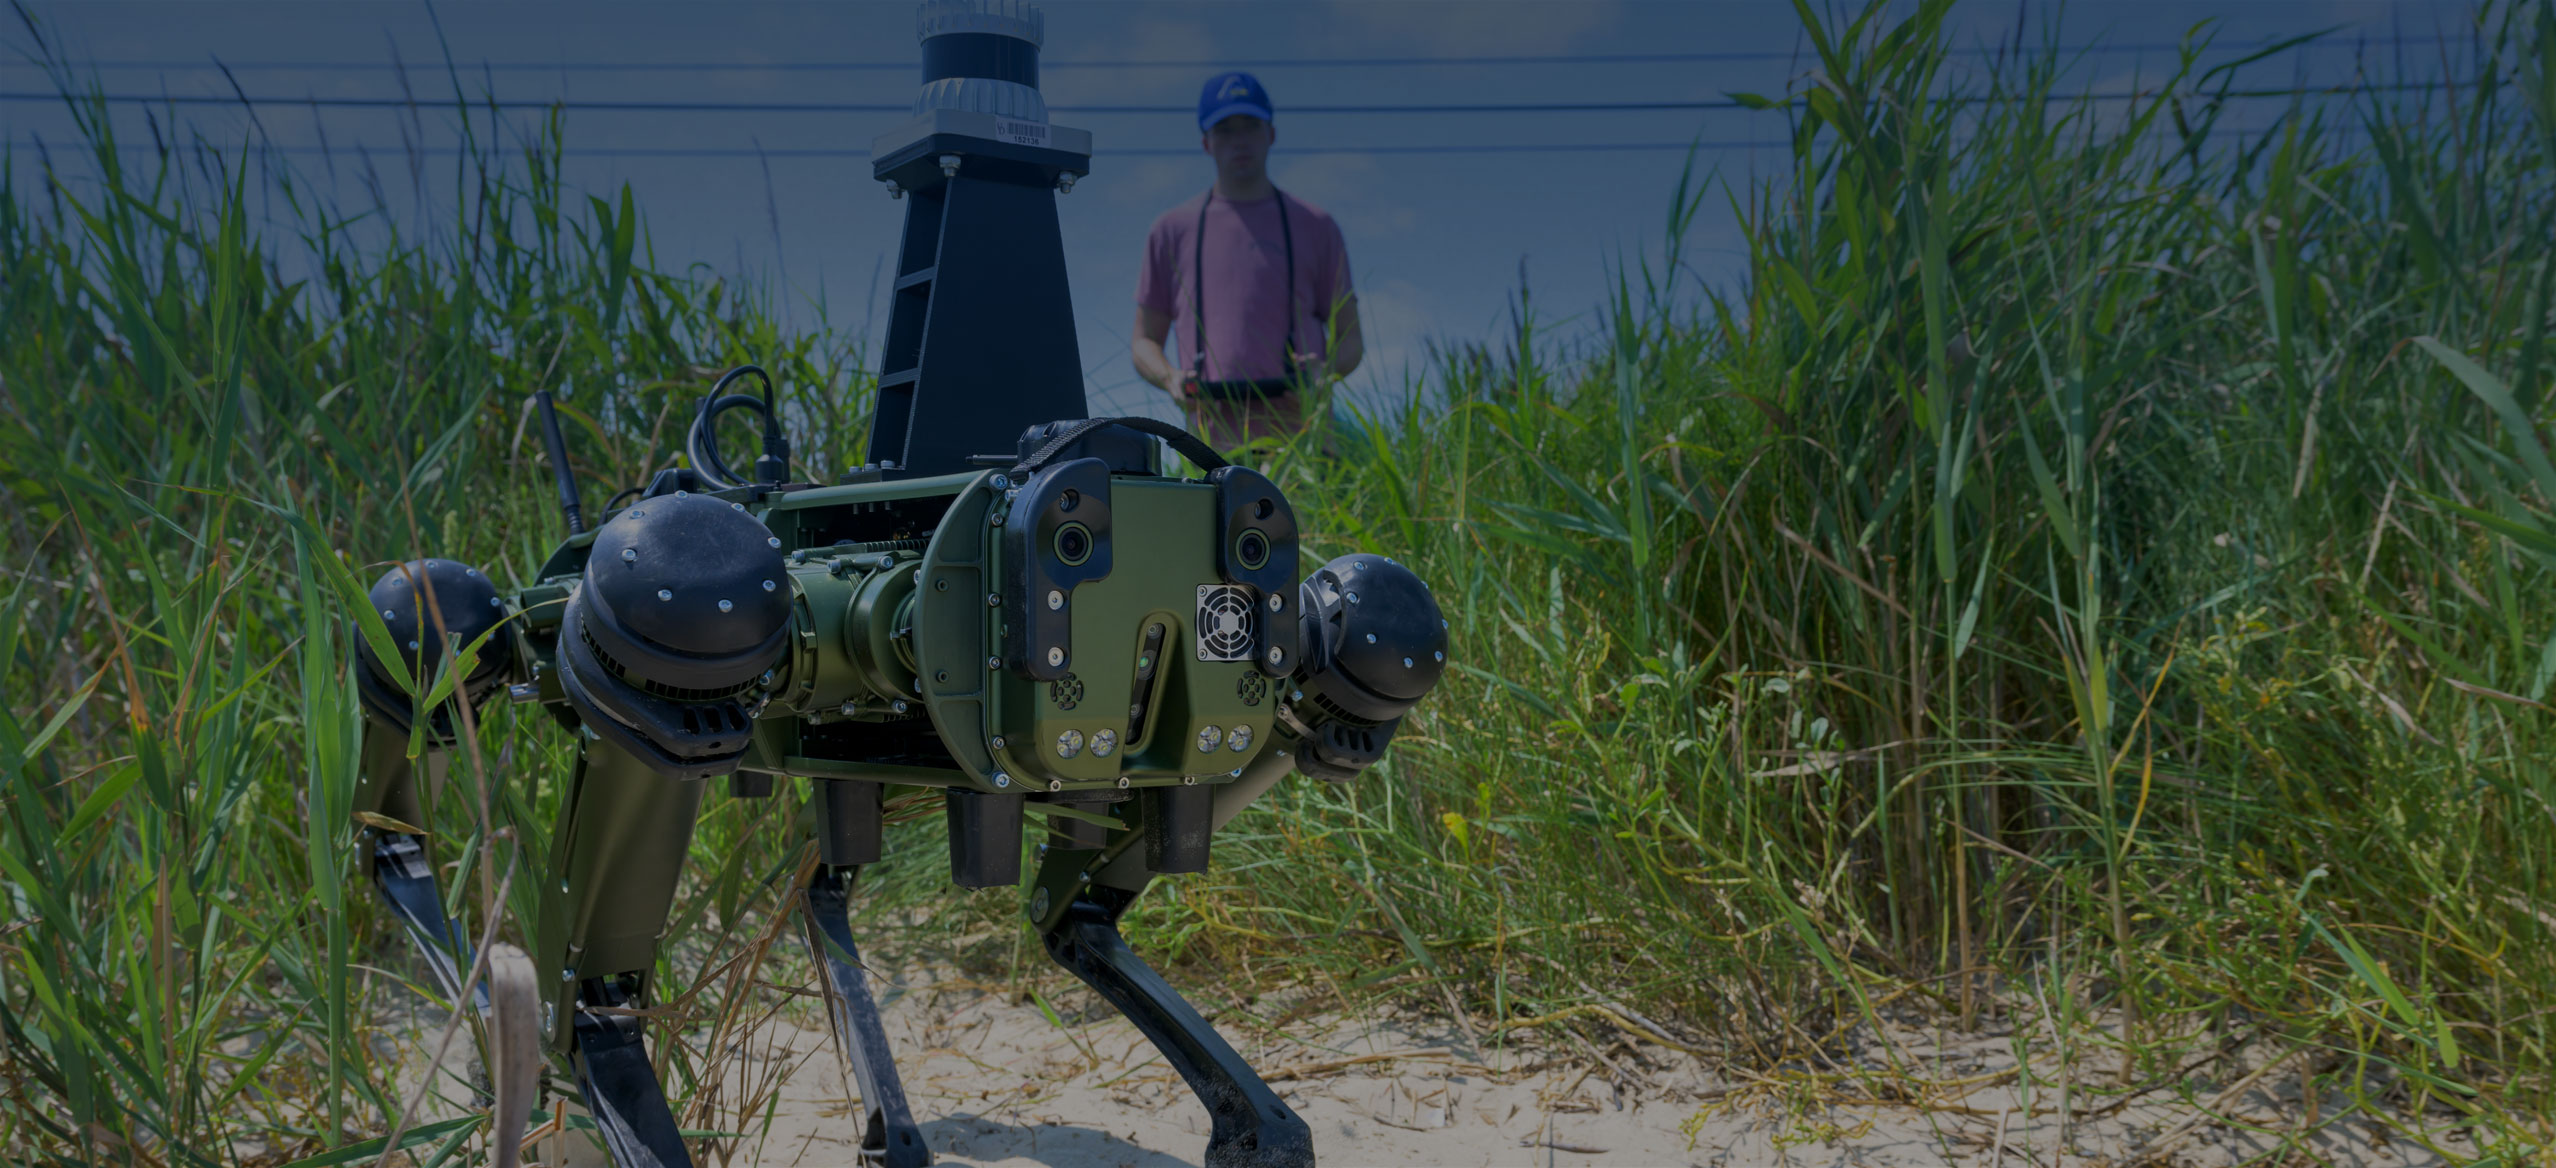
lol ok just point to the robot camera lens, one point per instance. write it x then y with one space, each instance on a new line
1252 549
1073 543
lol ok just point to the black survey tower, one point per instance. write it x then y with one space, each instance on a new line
980 343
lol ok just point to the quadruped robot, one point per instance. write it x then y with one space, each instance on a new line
1055 627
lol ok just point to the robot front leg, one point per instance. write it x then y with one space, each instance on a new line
1250 1126
1364 665
678 623
610 887
1087 878
616 855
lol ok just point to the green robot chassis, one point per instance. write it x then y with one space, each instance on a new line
1128 655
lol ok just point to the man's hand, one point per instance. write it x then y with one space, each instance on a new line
1314 369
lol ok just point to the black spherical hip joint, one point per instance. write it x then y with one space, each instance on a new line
1374 644
684 605
1373 638
421 603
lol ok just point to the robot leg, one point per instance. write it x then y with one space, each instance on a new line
403 871
422 602
1364 666
1077 911
848 836
617 853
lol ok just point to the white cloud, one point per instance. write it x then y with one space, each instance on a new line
1330 180
1396 320
1154 183
1143 39
1346 185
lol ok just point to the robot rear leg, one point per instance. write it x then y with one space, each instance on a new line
848 817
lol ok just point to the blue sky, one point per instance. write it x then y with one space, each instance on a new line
1437 231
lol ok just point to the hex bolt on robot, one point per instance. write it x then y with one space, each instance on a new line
1062 628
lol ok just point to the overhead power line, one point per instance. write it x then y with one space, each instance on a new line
909 64
857 154
834 107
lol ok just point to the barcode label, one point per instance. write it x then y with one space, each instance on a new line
1020 133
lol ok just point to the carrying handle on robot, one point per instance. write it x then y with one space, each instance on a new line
1189 445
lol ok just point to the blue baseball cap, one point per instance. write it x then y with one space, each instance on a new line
1228 94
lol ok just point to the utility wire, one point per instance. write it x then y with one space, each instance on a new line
1157 63
855 154
1554 107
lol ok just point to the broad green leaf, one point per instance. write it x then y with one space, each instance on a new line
102 799
2489 389
62 717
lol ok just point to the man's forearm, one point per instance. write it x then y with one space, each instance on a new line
1348 341
1152 363
1346 355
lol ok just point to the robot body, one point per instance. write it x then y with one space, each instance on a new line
1128 655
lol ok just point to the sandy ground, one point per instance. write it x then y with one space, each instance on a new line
995 1082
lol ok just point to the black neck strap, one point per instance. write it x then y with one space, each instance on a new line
1198 285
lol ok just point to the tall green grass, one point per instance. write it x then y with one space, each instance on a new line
2091 571
2086 557
193 967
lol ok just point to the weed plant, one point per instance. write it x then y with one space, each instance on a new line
2087 576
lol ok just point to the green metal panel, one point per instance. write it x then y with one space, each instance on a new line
1165 536
951 626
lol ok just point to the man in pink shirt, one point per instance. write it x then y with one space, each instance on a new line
1257 282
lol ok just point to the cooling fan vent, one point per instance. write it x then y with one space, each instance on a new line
1225 615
